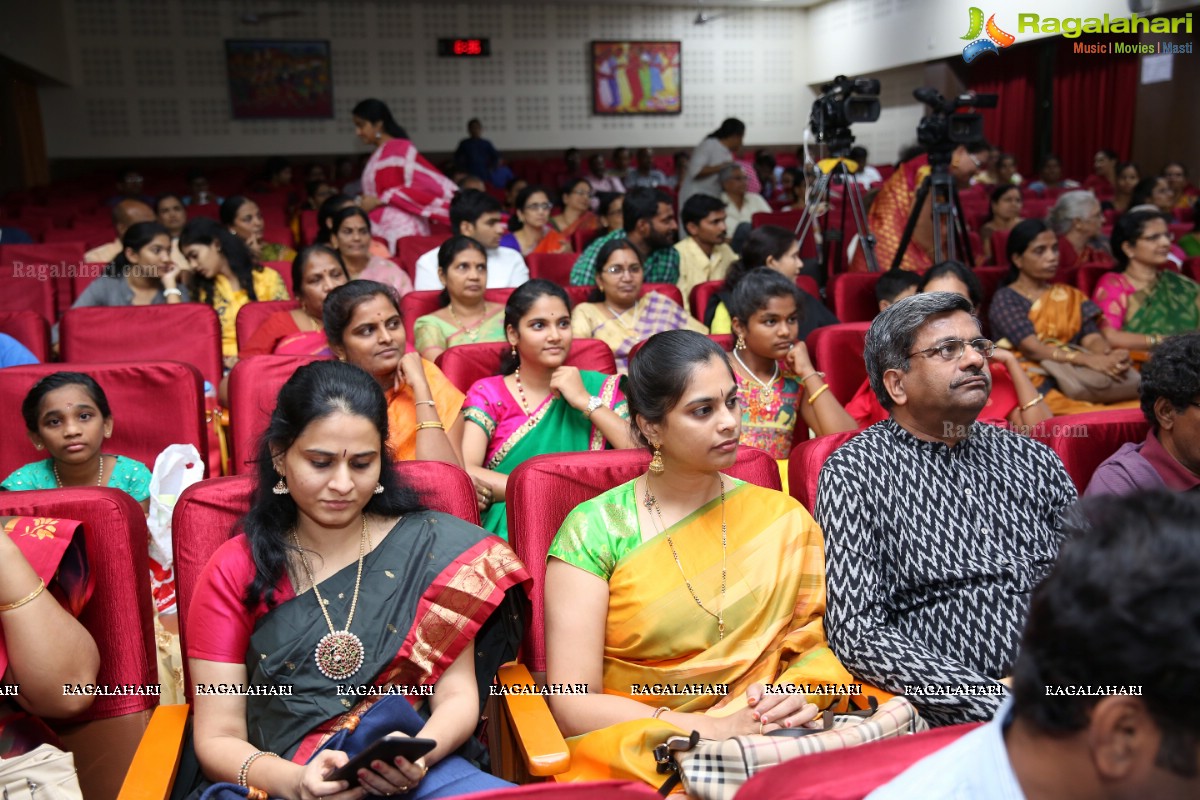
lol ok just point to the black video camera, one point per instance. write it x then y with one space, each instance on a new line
942 131
842 103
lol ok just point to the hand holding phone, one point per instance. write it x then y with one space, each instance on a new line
386 749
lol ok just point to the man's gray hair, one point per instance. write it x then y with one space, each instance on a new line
729 172
1069 207
893 335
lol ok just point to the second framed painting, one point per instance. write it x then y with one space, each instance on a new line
636 77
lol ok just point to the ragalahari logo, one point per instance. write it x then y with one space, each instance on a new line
996 38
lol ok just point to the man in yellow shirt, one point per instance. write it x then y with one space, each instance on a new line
703 255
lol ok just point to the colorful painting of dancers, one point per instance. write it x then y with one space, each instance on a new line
636 78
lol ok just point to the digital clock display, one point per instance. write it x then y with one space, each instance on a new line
464 48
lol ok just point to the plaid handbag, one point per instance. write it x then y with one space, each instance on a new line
715 770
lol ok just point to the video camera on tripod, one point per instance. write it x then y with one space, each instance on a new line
841 104
943 130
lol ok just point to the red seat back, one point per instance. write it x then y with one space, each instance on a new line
544 489
467 363
62 260
581 238
554 267
187 332
154 404
781 219
207 515
21 290
723 340
805 462
209 210
849 773
251 317
415 305
254 386
999 249
1083 441
120 617
284 268
853 296
838 351
701 295
1088 275
410 248
30 329
308 226
580 294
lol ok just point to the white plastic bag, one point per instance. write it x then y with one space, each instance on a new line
175 469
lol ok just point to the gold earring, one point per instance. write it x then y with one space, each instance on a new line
281 487
38 446
740 344
378 488
656 463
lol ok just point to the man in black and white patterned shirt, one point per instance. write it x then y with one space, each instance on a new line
937 527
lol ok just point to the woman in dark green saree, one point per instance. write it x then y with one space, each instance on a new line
536 404
347 611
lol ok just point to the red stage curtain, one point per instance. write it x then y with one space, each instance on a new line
1010 125
1094 103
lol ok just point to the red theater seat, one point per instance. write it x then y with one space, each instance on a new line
805 462
544 489
723 340
308 227
254 386
284 268
63 259
120 618
852 296
30 329
410 248
838 351
1083 441
415 305
154 404
579 294
1087 276
251 317
28 287
187 332
554 267
208 512
467 363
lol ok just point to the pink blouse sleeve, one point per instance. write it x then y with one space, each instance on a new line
218 624
1112 297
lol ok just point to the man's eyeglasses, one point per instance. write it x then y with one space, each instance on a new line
538 207
953 349
632 269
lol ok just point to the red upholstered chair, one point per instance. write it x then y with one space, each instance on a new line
154 404
541 492
205 517
410 248
554 267
991 278
838 351
120 617
723 340
30 329
581 238
251 316
62 258
187 332
1083 441
284 268
1191 268
579 294
701 295
254 386
852 296
209 210
805 462
782 219
415 305
848 774
1088 275
20 290
308 226
999 249
467 363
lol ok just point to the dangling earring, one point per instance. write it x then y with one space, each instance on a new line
378 134
514 353
378 488
38 446
656 463
281 487
741 343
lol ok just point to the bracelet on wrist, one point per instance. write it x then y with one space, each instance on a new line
29 598
659 711
244 772
813 374
818 393
429 403
424 425
1032 403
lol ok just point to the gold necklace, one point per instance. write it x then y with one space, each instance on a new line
767 386
471 333
339 654
651 502
58 480
316 325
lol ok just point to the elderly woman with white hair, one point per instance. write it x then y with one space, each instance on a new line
740 204
1076 219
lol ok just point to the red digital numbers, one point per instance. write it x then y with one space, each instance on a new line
467 47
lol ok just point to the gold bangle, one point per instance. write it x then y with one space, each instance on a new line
244 772
815 373
425 403
1071 356
824 388
423 425
658 712
1032 403
27 598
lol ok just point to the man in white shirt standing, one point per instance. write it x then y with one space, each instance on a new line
478 215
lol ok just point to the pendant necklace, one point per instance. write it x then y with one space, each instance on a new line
339 654
58 480
472 334
768 387
651 502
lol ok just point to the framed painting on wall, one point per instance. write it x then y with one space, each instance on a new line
279 79
636 78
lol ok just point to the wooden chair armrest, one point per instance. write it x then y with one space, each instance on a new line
536 733
152 771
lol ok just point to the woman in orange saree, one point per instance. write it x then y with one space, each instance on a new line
678 597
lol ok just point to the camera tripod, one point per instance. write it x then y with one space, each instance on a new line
833 248
950 241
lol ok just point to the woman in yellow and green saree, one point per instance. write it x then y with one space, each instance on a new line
680 597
